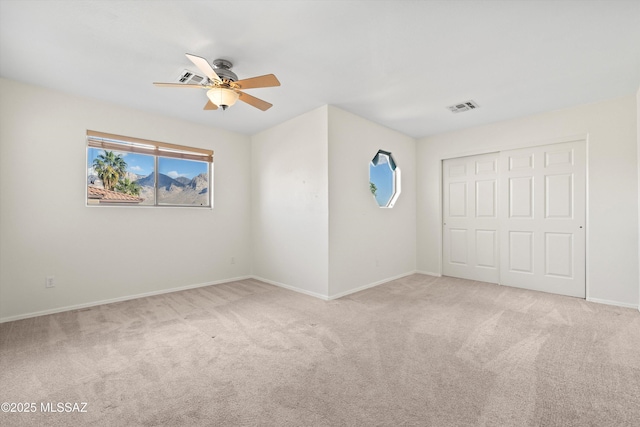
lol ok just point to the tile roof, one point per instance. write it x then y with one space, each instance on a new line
108 196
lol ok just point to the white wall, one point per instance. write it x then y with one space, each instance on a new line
612 229
289 204
109 253
316 228
367 244
638 149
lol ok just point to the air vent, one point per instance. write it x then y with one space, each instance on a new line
189 77
463 106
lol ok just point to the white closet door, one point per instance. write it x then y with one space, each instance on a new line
470 213
542 218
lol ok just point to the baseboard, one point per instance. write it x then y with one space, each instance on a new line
336 296
291 288
370 285
616 303
428 273
118 299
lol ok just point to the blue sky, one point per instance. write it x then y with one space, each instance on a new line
178 167
141 164
382 176
136 163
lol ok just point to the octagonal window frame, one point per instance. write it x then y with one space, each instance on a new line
391 175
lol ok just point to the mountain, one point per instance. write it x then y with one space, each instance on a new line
132 176
164 181
200 183
179 191
183 180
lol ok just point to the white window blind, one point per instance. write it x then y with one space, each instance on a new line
108 141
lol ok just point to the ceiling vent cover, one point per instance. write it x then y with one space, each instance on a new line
189 77
463 106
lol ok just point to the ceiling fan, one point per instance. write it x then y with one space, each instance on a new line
223 86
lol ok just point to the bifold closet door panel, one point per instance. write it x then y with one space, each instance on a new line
470 218
542 218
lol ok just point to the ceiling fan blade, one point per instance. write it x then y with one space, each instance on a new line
268 80
210 106
204 66
255 102
180 85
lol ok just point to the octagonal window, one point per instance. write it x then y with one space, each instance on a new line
384 179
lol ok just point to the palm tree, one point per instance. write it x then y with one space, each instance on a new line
127 186
373 188
109 167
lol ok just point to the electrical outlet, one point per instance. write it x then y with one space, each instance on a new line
49 282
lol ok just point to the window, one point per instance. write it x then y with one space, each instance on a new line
128 171
384 179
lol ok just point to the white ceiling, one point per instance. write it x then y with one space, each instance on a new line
397 63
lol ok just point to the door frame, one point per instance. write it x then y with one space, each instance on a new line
581 138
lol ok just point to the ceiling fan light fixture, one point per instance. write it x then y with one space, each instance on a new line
222 97
222 85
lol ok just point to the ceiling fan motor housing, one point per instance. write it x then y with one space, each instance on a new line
222 68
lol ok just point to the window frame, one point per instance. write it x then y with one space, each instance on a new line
125 144
395 176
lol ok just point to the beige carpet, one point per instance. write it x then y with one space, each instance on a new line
417 351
